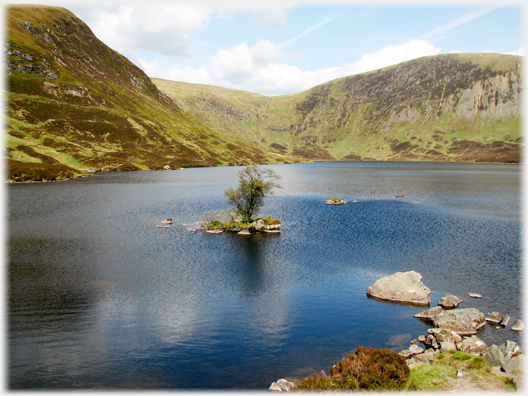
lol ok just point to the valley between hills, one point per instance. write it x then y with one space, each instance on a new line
75 106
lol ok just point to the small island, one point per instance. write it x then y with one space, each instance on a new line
254 184
335 201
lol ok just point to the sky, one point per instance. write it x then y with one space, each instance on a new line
280 47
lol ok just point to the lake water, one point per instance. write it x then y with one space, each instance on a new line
100 298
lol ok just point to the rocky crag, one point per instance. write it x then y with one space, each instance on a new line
75 105
455 107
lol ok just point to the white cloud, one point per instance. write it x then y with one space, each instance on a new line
258 68
165 29
292 40
439 32
519 52
267 14
151 68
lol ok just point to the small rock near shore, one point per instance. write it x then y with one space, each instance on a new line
494 317
449 301
518 325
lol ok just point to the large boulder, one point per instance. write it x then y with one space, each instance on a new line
472 345
449 301
494 356
462 321
401 287
515 365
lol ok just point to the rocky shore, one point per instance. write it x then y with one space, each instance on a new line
452 329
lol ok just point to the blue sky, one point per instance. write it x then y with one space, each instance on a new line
281 47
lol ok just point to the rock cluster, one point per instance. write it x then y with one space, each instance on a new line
455 330
508 356
401 287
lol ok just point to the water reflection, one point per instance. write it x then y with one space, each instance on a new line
101 298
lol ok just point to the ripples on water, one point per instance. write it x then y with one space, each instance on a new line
101 298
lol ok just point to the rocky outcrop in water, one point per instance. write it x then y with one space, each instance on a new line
272 226
401 287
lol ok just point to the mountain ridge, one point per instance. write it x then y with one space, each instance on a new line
395 113
74 106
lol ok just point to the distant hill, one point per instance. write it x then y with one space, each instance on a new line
456 107
75 105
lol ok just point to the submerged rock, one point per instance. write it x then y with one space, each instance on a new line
401 287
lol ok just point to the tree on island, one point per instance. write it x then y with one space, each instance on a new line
254 184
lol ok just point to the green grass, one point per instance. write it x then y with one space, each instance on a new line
435 377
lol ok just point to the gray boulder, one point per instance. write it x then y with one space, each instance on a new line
406 353
415 349
473 345
447 346
462 321
510 349
401 287
505 320
426 357
494 356
282 385
449 301
430 313
494 317
518 325
443 335
515 365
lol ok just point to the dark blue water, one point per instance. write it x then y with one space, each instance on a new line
101 298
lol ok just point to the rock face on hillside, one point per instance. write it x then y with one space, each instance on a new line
454 107
401 287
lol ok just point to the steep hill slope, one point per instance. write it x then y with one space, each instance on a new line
75 105
461 107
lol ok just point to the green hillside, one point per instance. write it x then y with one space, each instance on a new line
456 107
74 105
